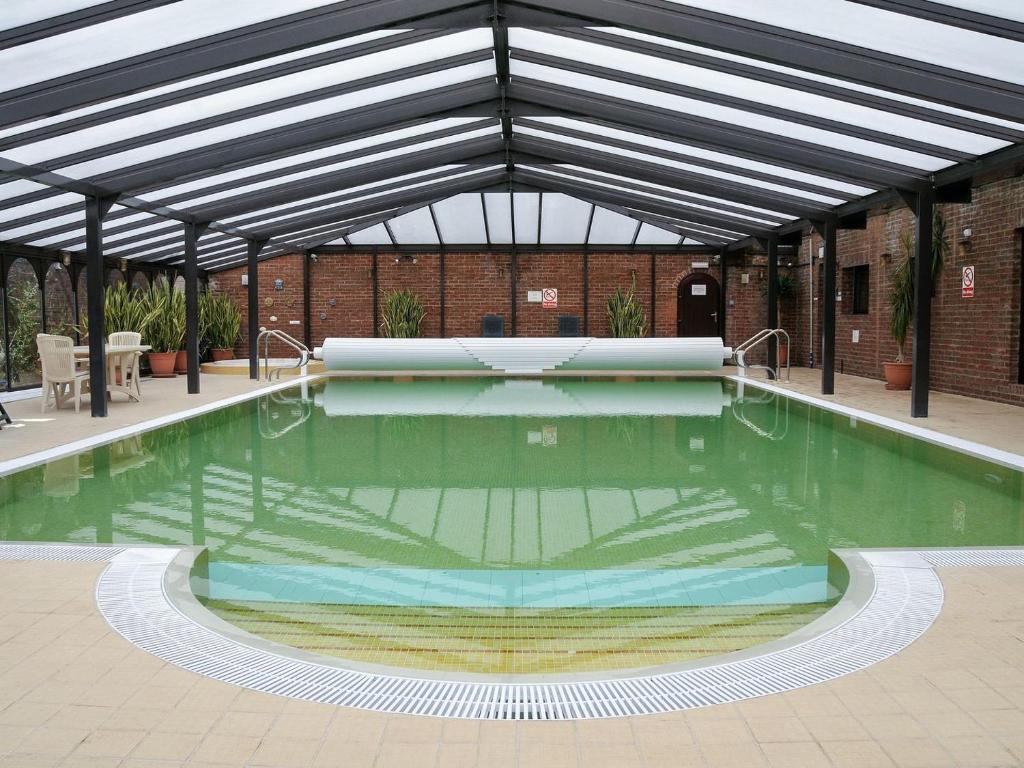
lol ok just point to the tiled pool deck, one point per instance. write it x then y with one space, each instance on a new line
74 693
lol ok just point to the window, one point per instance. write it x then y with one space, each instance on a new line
856 286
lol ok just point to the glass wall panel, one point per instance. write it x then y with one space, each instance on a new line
60 308
24 321
414 228
564 220
461 219
526 207
499 216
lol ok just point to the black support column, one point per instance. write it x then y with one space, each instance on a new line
828 311
307 315
193 232
253 294
772 320
723 300
95 209
922 304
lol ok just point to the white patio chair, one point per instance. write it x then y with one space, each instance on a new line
60 375
124 339
130 368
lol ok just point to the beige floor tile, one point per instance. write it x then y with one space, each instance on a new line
416 730
856 754
184 721
285 752
950 724
617 730
898 727
353 754
978 699
733 755
795 755
916 753
461 731
977 751
835 728
609 755
166 746
109 743
354 725
549 755
244 723
457 755
496 754
720 732
28 713
405 755
767 729
79 716
52 741
671 756
229 750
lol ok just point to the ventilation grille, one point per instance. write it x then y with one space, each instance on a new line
967 558
131 597
67 552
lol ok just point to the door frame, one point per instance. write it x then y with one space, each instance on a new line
691 277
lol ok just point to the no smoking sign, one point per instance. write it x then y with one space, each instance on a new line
967 283
549 298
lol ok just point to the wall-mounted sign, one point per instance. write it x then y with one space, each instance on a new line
967 283
698 289
700 265
550 298
533 296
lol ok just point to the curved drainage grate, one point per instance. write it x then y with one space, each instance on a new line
80 553
903 603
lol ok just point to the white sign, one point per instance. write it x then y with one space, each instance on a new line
700 265
534 296
550 298
698 289
967 285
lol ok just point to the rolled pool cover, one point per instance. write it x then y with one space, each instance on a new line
523 355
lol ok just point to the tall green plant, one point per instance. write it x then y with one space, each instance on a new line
222 319
626 318
24 307
165 317
402 315
123 310
901 292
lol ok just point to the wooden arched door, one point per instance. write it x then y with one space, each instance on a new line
697 306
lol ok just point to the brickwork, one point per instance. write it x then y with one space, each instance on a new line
975 341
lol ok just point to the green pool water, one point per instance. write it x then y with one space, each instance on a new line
518 526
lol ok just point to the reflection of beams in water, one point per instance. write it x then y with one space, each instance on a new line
608 543
478 397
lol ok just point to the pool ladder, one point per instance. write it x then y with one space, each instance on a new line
762 337
265 337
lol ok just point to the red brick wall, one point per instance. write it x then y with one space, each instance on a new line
476 284
536 271
421 277
285 305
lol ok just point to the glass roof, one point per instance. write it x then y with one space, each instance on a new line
313 122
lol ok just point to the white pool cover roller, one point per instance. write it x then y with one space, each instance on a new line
523 355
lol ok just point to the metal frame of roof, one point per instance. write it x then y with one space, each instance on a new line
199 133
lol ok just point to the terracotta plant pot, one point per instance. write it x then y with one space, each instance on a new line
162 364
783 354
897 375
181 361
222 354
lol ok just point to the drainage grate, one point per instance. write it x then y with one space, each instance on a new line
67 552
131 597
966 558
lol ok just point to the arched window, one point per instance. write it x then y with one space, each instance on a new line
82 290
115 276
179 284
24 320
60 308
140 282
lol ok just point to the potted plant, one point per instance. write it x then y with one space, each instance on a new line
626 318
401 315
165 327
223 324
898 373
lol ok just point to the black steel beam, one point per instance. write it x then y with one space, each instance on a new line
95 209
237 46
72 20
798 50
220 85
785 79
718 136
192 234
253 299
921 373
661 207
685 181
812 120
681 156
944 13
260 109
772 319
828 310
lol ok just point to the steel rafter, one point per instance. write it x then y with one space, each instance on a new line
795 82
951 15
676 178
68 22
907 143
243 45
719 136
796 50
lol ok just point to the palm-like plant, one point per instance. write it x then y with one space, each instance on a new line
626 318
222 320
901 296
402 315
165 317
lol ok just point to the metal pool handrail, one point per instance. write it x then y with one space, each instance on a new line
762 336
266 335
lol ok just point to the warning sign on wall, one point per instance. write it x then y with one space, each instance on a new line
967 283
550 300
